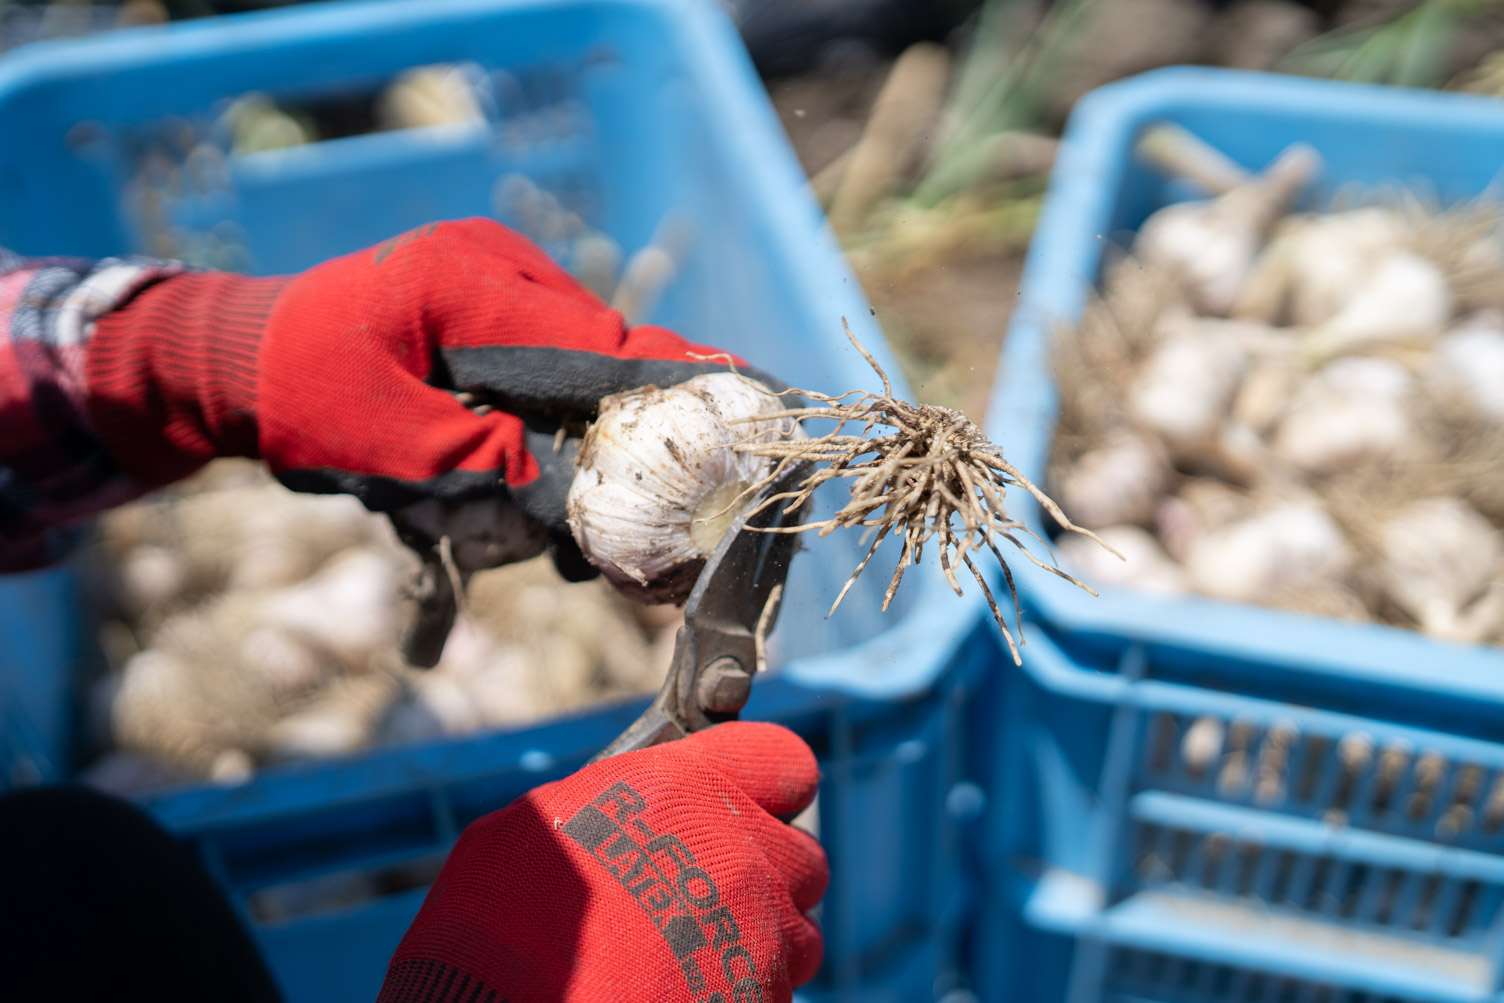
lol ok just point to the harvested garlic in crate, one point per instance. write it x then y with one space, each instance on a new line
1315 264
1213 243
1405 299
1120 481
1440 558
1185 388
1467 366
1289 545
659 481
1351 411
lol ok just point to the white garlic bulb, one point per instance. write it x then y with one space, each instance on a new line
1184 390
1316 264
1467 365
1144 564
1288 545
1404 300
348 609
1120 481
1440 557
659 481
1212 244
1352 410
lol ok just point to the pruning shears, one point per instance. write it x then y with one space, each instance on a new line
731 609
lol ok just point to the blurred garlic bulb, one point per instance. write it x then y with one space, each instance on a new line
1145 565
256 125
1467 365
1185 388
1440 558
1266 393
1202 505
659 482
341 720
348 609
1288 545
1404 300
1212 244
1315 265
1350 411
431 95
152 578
1120 481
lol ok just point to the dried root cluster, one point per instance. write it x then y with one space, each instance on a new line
928 476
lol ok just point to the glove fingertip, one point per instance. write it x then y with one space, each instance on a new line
775 767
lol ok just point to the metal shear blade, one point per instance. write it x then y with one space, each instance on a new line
733 605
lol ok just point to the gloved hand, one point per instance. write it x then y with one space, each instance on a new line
343 378
655 875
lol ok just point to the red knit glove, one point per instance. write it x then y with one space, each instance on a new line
342 378
652 876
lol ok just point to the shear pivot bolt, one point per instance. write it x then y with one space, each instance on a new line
724 686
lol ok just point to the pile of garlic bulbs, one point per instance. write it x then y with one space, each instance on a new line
1303 410
243 624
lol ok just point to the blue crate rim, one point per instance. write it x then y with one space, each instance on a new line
1061 267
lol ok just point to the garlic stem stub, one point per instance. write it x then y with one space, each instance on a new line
659 480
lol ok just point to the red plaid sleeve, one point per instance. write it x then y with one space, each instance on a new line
54 469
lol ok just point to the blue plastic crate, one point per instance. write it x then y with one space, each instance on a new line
1196 801
632 112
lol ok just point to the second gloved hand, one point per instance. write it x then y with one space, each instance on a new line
657 875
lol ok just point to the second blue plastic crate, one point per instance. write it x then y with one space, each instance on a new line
1201 802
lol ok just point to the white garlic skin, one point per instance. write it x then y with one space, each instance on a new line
1184 390
1144 564
1467 365
1404 300
1120 481
1316 264
1351 411
658 479
1212 245
1440 557
1289 545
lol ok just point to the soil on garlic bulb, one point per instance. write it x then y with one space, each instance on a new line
242 624
1343 407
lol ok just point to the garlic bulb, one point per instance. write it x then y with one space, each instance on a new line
1118 482
1404 300
1145 565
348 609
1350 411
1467 365
1315 265
659 481
1185 388
1288 545
431 95
1202 505
1440 557
1213 244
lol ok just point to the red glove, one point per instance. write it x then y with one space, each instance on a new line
655 875
342 378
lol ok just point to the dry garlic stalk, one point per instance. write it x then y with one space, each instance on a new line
933 470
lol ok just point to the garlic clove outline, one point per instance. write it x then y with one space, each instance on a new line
658 480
